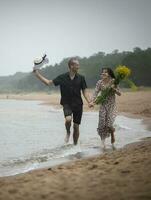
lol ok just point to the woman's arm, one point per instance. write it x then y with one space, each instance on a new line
42 78
116 90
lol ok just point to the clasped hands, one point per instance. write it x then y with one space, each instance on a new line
91 104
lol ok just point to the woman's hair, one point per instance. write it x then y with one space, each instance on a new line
109 71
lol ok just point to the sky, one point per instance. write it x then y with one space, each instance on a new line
66 28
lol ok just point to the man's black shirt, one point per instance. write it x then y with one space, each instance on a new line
70 89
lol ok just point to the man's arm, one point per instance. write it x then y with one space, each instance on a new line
42 78
86 95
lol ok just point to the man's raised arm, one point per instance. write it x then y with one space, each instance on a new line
42 78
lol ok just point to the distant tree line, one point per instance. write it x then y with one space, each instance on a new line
138 60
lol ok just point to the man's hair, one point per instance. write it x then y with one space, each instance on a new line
72 61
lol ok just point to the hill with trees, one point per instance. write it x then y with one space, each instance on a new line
138 60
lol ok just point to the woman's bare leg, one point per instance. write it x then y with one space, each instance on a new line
103 143
112 135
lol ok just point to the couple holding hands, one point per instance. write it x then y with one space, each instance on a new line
71 84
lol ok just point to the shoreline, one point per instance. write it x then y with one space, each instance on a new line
120 174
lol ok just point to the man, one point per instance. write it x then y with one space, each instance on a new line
71 84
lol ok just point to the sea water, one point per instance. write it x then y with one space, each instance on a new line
32 136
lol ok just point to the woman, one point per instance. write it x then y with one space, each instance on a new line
107 112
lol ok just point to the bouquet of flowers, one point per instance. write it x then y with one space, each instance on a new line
121 74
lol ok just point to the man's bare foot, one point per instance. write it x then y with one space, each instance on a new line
67 138
113 147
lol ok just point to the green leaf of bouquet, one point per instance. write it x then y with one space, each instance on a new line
131 84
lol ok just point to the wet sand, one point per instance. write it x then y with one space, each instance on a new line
120 174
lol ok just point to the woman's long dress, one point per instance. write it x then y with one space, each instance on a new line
107 112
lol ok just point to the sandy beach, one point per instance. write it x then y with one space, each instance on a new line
135 103
119 174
